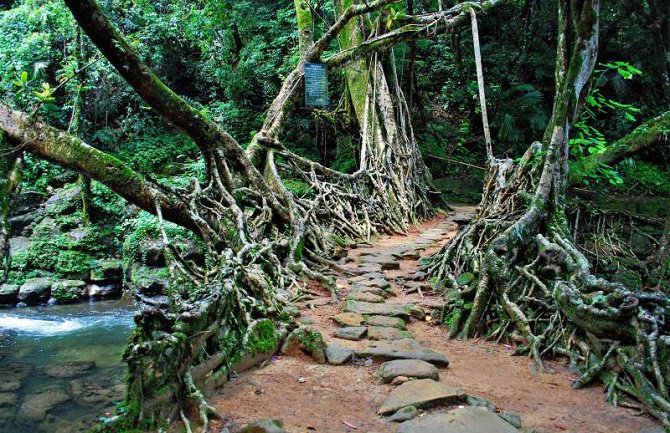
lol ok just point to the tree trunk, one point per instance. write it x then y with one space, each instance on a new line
514 272
10 179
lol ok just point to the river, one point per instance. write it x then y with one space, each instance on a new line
61 366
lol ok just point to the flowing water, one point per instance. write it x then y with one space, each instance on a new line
61 366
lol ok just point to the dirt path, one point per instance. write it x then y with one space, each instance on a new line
312 397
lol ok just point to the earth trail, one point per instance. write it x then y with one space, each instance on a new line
384 313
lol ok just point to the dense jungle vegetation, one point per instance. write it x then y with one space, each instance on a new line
216 187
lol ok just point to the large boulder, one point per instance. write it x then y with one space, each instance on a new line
64 201
308 341
107 271
8 293
68 290
148 280
35 291
104 291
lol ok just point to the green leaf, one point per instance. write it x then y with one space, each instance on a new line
465 278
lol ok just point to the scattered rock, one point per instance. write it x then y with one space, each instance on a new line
264 426
338 354
12 375
308 341
92 393
394 322
460 420
387 333
374 309
480 402
349 319
403 349
68 370
8 399
351 333
364 297
657 429
422 393
406 368
366 277
8 293
511 418
368 268
108 291
35 291
35 406
380 283
400 380
405 414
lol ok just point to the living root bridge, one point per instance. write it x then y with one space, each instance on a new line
515 274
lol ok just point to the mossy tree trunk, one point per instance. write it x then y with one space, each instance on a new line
10 174
515 273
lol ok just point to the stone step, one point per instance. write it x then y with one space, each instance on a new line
393 322
353 333
363 296
459 420
414 368
386 350
420 393
374 309
387 333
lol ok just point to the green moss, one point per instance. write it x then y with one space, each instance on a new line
263 339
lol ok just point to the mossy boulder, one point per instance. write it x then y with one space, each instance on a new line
8 293
149 280
66 291
107 271
264 426
64 201
35 291
308 341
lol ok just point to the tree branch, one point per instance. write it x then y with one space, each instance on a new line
70 152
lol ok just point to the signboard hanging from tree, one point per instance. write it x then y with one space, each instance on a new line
316 85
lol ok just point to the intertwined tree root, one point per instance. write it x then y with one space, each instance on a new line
515 274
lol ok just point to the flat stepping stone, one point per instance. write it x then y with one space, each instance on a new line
366 277
387 333
349 319
408 368
381 283
368 268
354 333
365 297
403 349
385 262
374 309
404 414
374 290
338 354
421 393
460 420
393 322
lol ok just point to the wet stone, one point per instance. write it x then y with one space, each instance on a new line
406 368
460 420
349 319
394 322
12 375
387 333
338 354
351 333
35 406
90 393
421 393
67 370
403 349
364 297
8 399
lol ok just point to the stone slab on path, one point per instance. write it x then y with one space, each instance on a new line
420 393
373 309
403 349
366 277
387 333
349 319
360 295
385 262
338 354
381 283
460 420
408 368
354 333
394 322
